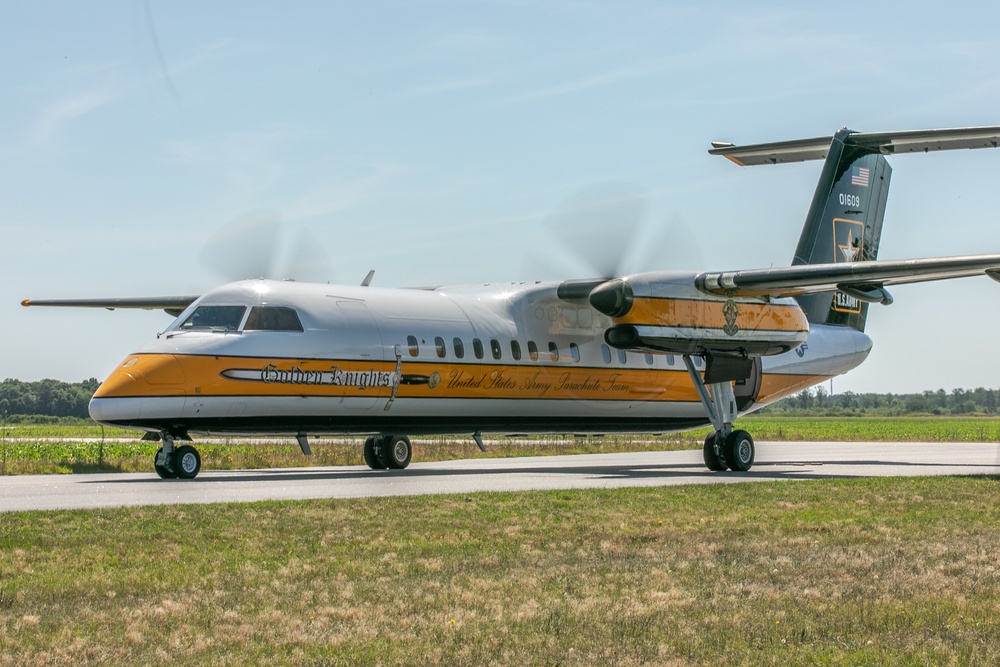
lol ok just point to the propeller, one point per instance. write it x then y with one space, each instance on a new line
256 245
605 231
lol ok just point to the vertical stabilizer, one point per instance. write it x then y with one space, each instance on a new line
844 224
845 220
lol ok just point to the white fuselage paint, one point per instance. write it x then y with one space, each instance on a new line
372 330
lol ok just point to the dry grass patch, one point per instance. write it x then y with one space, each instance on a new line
841 572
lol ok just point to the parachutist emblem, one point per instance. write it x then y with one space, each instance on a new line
730 310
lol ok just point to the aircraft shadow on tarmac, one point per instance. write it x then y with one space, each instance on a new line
632 471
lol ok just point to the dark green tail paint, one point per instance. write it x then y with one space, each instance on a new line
844 224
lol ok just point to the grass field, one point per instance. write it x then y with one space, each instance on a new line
41 449
862 572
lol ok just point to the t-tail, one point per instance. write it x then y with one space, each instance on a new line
844 223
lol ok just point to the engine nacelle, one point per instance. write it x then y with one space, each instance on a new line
666 312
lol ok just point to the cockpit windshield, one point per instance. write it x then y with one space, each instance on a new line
273 318
214 318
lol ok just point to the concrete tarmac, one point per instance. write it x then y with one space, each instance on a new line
789 461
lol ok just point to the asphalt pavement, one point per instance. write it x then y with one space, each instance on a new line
788 461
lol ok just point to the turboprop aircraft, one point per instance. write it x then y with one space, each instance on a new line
649 352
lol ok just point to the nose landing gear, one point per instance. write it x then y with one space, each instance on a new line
176 462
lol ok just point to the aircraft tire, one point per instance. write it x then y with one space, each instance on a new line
713 461
740 451
162 472
371 458
397 451
187 462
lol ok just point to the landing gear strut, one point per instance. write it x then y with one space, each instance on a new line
176 462
725 448
387 451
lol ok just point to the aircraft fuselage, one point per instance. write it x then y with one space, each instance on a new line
512 358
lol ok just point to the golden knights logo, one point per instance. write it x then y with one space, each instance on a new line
848 246
730 310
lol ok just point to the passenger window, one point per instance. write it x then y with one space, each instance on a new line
606 353
439 347
574 351
272 318
649 360
697 362
532 350
411 343
670 360
214 318
515 350
495 348
553 351
477 348
459 348
622 357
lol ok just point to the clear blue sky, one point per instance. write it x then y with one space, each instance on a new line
431 141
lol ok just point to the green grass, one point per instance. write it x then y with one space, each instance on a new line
880 429
44 449
56 455
861 572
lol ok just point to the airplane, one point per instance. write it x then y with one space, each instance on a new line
650 352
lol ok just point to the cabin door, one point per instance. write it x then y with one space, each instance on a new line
359 348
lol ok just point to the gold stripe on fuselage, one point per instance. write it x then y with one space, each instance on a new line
194 375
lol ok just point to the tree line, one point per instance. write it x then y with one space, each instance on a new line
46 397
53 398
817 401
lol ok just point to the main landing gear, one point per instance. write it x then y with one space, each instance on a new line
725 448
171 462
735 451
387 452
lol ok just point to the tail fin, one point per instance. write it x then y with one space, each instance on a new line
845 220
844 224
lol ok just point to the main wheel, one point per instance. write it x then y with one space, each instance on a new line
396 451
739 451
371 458
187 462
163 472
713 460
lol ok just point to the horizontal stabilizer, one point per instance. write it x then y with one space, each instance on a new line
887 143
173 305
857 276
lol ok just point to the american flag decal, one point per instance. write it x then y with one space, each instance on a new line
860 176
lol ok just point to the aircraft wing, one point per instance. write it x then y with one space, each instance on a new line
887 143
860 279
172 305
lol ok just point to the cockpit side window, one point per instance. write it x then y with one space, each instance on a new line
214 318
272 318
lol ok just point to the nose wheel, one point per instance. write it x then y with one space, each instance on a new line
176 462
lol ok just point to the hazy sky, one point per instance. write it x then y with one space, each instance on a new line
433 141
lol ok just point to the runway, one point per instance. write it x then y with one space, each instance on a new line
789 461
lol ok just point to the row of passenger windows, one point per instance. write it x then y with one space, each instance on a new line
497 351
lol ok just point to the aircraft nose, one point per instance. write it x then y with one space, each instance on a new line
139 374
124 396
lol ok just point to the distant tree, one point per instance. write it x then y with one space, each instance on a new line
46 397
